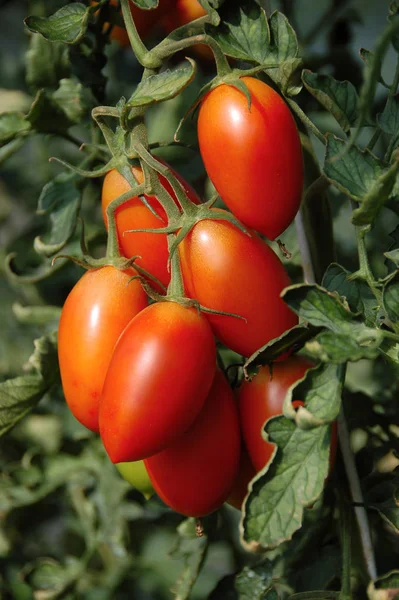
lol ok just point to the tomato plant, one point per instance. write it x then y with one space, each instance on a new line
134 214
136 474
157 381
194 474
218 262
263 398
184 12
252 154
94 315
144 21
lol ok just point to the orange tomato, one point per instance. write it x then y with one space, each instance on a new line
94 315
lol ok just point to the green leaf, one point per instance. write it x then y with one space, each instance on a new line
385 587
13 125
355 291
379 193
67 25
390 298
46 117
352 171
321 391
295 338
368 58
46 63
193 550
388 120
382 494
338 97
255 583
244 32
320 307
338 348
163 86
284 49
19 395
73 99
273 511
146 4
61 199
350 338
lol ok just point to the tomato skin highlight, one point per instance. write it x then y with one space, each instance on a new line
263 398
227 270
157 381
133 214
253 157
194 474
94 315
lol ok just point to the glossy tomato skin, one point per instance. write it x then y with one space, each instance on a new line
253 156
133 214
94 315
263 398
136 474
157 382
194 474
228 270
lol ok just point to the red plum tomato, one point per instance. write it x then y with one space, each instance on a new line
246 472
263 398
133 214
160 374
228 270
94 315
252 155
194 474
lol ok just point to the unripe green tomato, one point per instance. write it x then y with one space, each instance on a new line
136 474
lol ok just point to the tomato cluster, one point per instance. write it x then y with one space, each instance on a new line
145 376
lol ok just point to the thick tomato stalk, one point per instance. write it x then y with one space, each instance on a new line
94 315
133 214
252 155
263 398
230 271
194 474
157 382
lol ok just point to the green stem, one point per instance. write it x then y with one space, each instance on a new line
357 497
157 188
374 139
364 266
145 58
176 285
169 47
112 241
306 121
345 531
